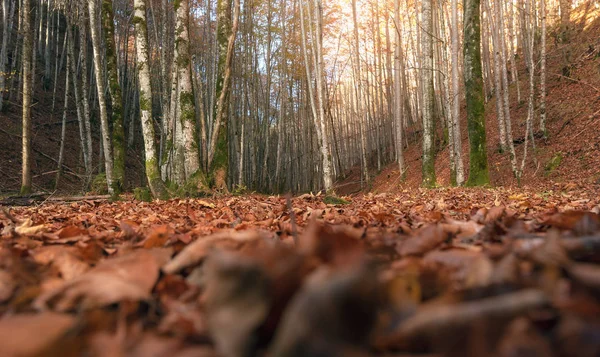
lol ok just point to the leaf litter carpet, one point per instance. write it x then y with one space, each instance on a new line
447 272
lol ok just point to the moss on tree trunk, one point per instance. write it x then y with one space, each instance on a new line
473 77
116 97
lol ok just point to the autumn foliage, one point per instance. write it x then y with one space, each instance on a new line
449 272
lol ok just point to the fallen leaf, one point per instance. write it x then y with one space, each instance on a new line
19 338
129 277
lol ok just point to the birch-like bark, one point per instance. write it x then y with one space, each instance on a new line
99 71
398 100
457 145
145 100
530 37
499 90
78 102
427 94
473 77
186 116
505 91
327 176
116 97
543 68
85 86
359 96
27 55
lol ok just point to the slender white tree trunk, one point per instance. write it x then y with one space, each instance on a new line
428 94
27 89
145 99
327 176
398 100
457 145
543 68
187 113
99 71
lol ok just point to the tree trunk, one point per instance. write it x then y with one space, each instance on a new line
27 92
145 99
116 97
63 130
99 71
218 155
427 94
473 77
398 100
327 175
359 96
457 145
543 68
8 9
186 111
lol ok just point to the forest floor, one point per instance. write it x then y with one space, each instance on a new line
446 272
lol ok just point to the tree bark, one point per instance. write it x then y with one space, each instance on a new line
473 78
186 112
99 71
116 96
428 165
27 90
145 100
457 136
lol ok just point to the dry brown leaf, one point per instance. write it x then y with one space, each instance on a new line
198 250
32 334
7 286
129 277
423 241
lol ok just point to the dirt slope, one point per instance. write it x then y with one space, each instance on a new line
570 154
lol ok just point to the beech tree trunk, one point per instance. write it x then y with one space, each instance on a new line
473 78
145 99
428 164
27 74
186 113
99 71
116 97
457 136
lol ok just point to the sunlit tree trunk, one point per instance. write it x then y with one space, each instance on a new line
359 92
457 137
27 55
427 94
398 100
145 99
320 74
473 77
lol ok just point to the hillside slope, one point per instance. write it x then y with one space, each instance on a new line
571 153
